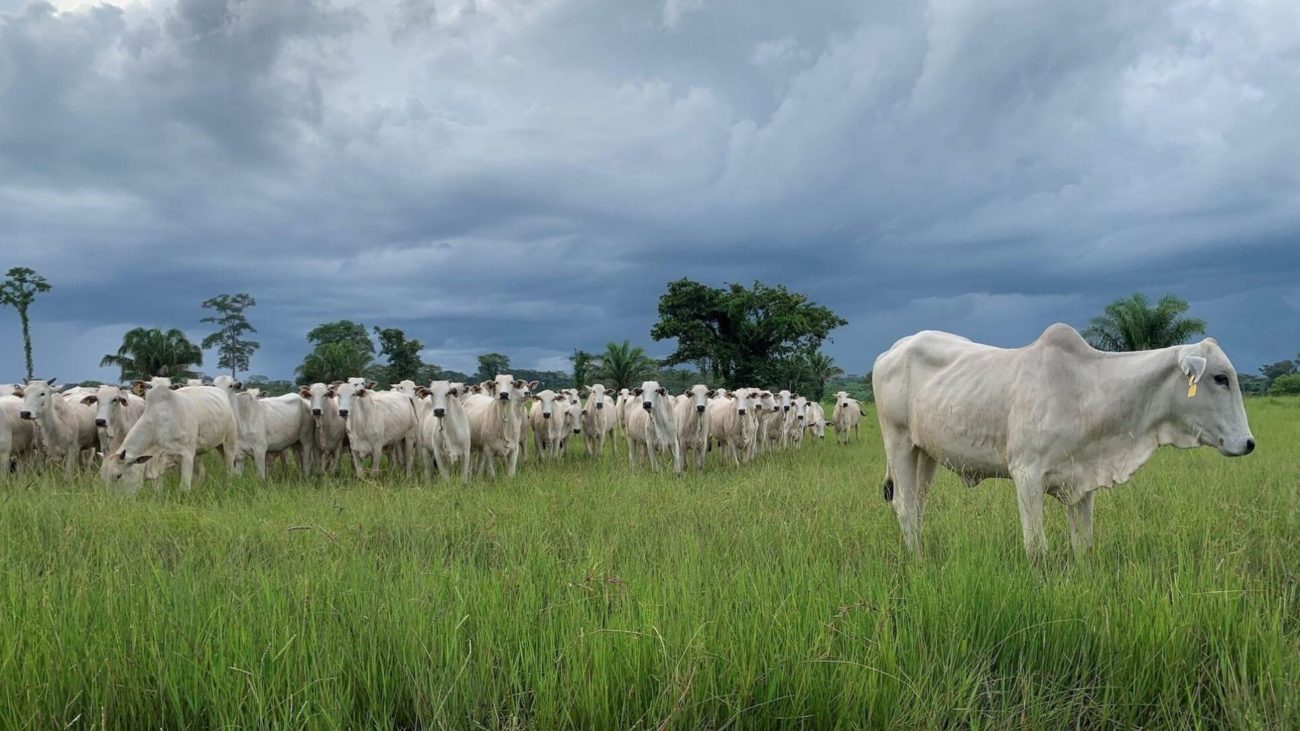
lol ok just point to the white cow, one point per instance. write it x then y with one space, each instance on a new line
331 429
375 420
816 421
598 419
796 422
733 423
66 428
496 418
17 437
547 416
177 424
652 428
1056 416
445 430
116 411
269 426
847 417
693 423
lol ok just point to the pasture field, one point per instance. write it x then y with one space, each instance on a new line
584 596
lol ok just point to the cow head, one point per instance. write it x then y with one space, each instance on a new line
746 400
348 395
106 400
800 407
596 395
699 394
766 401
546 401
572 412
1207 401
650 394
38 398
440 394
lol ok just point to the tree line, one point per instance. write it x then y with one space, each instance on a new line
724 336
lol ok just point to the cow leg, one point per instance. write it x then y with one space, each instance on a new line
464 469
1080 517
259 462
925 465
902 468
357 460
187 470
1029 496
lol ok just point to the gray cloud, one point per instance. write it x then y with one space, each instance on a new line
526 176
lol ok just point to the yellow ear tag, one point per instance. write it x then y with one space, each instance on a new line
1191 386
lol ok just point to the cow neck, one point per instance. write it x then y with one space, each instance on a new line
60 413
1138 395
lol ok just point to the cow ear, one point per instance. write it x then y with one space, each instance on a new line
453 392
422 392
305 392
139 387
711 393
175 387
122 400
371 384
636 391
18 392
1192 366
361 391
91 399
141 459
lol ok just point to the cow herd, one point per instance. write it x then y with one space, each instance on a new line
1056 417
139 432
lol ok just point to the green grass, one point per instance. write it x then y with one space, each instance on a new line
585 596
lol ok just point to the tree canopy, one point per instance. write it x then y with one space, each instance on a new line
741 335
234 351
1132 323
403 356
149 352
623 365
490 365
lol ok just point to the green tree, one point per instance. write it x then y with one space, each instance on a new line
333 361
490 365
819 369
624 366
1288 385
234 351
18 290
1273 371
149 352
1133 324
742 335
353 334
583 365
403 356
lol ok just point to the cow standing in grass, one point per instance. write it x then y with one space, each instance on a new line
1057 416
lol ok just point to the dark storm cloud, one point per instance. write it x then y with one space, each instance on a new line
526 176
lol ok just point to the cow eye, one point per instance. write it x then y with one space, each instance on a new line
1221 379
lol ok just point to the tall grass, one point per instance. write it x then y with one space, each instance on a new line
582 595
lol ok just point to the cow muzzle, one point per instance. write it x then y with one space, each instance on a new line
647 405
600 406
439 413
505 397
1239 449
343 413
801 418
577 431
700 408
546 415
740 411
785 408
25 415
101 423
315 412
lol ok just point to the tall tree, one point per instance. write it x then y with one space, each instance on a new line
351 333
403 356
490 365
742 335
624 366
1281 368
333 361
583 363
1132 323
149 352
234 351
18 290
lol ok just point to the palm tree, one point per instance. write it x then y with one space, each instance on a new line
1132 324
820 368
624 366
331 362
149 352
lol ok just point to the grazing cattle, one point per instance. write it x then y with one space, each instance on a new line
177 424
768 419
652 428
733 423
445 430
331 429
816 421
1056 416
496 419
548 416
66 428
269 426
797 419
847 417
376 420
17 436
598 419
116 411
693 423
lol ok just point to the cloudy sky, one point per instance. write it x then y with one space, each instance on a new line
525 176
